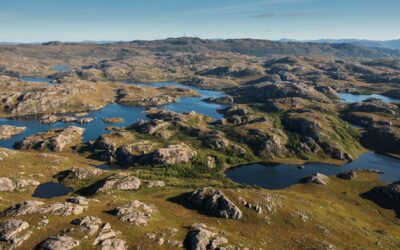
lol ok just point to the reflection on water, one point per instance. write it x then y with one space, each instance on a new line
276 176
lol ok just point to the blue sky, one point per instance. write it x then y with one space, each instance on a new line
77 20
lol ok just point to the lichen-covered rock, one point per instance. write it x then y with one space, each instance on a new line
106 233
216 203
55 140
59 243
79 173
24 183
136 212
64 209
6 185
11 233
173 154
88 224
7 131
24 208
317 178
119 181
113 244
200 237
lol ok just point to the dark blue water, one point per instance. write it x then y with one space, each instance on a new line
93 130
187 104
351 98
50 190
130 114
277 176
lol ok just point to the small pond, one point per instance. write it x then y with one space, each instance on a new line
50 190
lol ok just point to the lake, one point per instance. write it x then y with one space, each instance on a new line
130 114
277 176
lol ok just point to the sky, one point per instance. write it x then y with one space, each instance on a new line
117 20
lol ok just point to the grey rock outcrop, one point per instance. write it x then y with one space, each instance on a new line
216 203
88 224
55 140
136 212
119 181
59 243
200 237
173 154
13 233
24 208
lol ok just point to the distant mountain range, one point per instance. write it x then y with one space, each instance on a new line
388 44
251 47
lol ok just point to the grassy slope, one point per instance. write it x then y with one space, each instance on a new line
351 221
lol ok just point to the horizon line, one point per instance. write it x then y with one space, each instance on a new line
195 37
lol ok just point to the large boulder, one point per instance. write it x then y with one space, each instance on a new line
55 140
107 239
8 185
12 233
24 208
215 202
59 243
88 224
119 181
200 237
136 212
